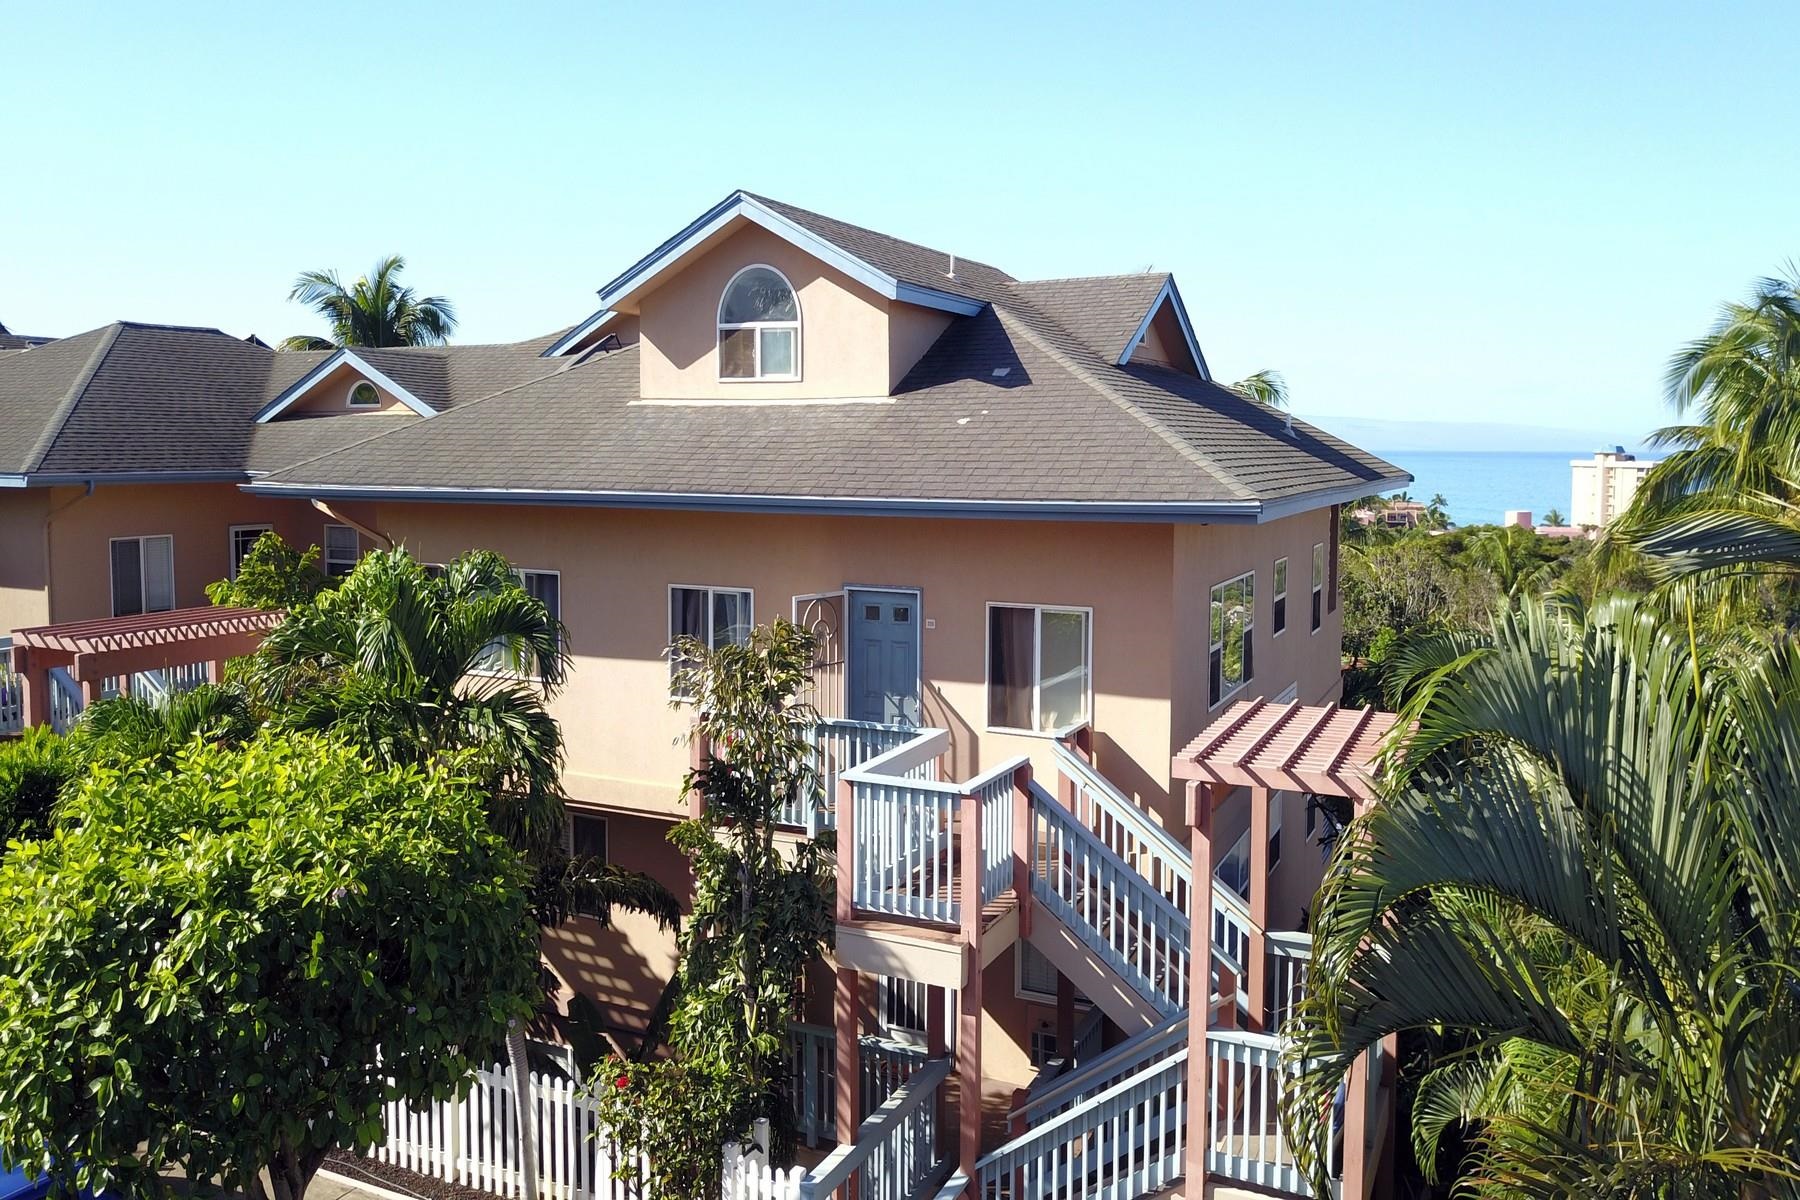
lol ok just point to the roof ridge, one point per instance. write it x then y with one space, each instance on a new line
1085 278
562 365
46 440
961 258
178 328
1094 380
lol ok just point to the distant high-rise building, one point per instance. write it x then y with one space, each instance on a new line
1601 487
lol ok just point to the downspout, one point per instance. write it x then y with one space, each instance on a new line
49 570
372 534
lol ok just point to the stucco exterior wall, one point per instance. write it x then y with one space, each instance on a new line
617 566
854 344
24 594
197 516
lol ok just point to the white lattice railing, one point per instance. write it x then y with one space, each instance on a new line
1126 1141
12 698
895 1154
1290 959
812 1082
907 831
839 746
1130 925
65 700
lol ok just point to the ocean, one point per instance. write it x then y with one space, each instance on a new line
1480 485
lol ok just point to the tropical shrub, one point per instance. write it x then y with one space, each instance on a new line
233 960
273 575
34 769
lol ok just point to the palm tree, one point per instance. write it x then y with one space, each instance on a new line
135 728
1510 555
1553 517
1586 866
1728 497
1264 387
415 664
1435 515
376 310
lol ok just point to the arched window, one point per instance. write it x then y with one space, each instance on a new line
759 326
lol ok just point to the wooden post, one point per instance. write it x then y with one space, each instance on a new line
1022 828
969 999
1356 1129
968 1060
1256 969
90 692
937 1044
1200 823
846 853
34 687
1065 1017
847 1023
215 670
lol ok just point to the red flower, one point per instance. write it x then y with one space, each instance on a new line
622 1081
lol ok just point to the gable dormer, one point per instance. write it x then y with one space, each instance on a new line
749 303
344 382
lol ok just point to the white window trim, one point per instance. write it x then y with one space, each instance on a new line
350 396
325 559
143 601
1216 642
897 1033
1280 574
231 558
709 589
1319 567
1037 661
519 574
571 813
720 326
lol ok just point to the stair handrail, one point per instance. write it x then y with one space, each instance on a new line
997 1159
1125 1058
1171 995
890 1118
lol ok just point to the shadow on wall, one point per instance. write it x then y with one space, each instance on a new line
1124 773
611 967
965 744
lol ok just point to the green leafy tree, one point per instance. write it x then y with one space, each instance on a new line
416 665
1727 498
273 575
376 310
762 913
1585 869
34 770
236 958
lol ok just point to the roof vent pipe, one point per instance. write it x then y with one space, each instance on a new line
951 273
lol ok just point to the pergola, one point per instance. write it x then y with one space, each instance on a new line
118 647
1269 746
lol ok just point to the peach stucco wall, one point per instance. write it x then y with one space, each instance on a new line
854 343
198 516
24 599
617 566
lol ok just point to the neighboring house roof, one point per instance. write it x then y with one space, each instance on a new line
19 341
135 400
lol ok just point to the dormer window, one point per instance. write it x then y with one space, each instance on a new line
759 326
364 395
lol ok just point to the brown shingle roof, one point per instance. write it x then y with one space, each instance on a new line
1104 310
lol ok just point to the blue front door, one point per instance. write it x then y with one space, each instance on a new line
884 657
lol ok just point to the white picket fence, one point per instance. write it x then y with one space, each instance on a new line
474 1141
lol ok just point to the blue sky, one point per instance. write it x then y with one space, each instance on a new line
1505 212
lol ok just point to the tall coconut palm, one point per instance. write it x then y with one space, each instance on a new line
376 310
1728 497
1587 865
